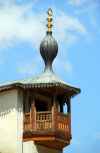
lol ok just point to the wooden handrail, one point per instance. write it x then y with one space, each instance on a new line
44 112
27 113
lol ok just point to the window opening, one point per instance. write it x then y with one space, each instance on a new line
39 104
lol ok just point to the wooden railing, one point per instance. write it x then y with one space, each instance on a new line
43 121
27 122
63 122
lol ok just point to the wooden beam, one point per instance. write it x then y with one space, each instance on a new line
44 139
55 96
55 109
40 139
66 142
33 110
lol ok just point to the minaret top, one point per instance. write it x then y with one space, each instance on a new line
48 51
48 46
49 19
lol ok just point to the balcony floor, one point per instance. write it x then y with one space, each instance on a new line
56 140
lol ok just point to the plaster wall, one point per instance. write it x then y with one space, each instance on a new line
30 147
11 121
19 120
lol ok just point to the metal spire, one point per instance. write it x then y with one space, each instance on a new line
49 19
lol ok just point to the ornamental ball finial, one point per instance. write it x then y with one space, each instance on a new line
49 19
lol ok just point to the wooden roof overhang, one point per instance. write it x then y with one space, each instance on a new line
43 88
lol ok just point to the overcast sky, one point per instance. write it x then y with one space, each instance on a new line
76 28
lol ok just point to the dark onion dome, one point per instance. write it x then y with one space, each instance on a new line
48 50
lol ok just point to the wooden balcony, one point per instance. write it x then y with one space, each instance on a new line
49 126
43 121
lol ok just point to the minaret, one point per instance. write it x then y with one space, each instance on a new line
52 127
48 47
34 123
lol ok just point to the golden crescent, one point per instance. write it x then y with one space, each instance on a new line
48 12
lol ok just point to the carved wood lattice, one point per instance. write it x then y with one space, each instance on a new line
27 122
63 118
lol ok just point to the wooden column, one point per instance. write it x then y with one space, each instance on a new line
69 112
33 110
23 111
55 116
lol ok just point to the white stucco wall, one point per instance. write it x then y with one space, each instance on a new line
19 120
11 118
11 124
30 147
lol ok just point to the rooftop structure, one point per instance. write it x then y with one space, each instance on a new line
32 107
48 51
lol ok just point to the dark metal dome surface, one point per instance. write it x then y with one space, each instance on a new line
48 50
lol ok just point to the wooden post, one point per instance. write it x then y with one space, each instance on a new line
69 112
23 111
55 96
55 117
33 111
52 112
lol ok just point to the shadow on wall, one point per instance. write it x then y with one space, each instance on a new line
11 101
8 111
